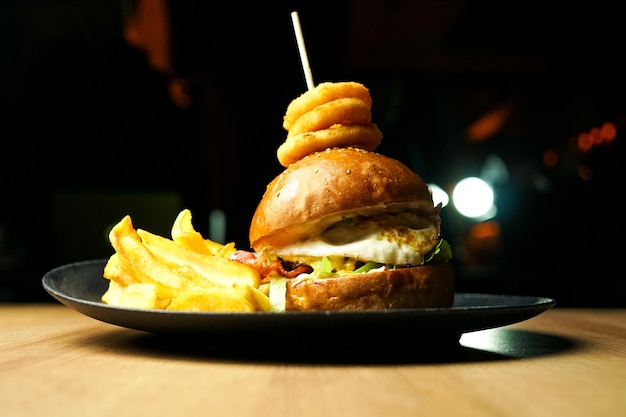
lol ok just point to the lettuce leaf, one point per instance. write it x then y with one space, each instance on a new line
325 269
441 253
367 267
278 294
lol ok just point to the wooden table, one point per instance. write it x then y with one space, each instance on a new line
57 362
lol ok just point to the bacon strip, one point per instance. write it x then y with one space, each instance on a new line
267 268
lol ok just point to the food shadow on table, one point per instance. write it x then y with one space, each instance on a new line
499 344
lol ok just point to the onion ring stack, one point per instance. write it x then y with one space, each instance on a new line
330 115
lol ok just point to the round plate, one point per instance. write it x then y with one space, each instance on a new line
80 286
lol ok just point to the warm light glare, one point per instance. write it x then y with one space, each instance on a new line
597 136
490 123
473 198
585 142
485 230
608 131
550 158
584 172
148 28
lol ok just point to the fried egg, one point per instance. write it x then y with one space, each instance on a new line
400 239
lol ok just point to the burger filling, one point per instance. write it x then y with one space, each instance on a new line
394 239
355 245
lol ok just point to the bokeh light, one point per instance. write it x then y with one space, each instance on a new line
474 198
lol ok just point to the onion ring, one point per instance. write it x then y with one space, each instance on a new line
297 147
343 111
323 93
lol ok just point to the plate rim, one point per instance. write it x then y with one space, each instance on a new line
484 316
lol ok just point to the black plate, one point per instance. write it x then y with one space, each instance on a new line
80 286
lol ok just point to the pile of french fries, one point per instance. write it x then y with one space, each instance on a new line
186 272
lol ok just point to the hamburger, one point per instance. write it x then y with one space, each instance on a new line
350 229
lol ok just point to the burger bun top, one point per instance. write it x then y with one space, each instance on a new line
327 186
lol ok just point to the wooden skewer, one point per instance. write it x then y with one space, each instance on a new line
302 50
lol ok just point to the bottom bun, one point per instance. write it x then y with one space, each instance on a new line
424 286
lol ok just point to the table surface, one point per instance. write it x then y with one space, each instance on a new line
565 362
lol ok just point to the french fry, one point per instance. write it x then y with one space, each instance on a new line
257 299
136 295
121 292
121 276
210 300
185 235
193 273
140 295
211 268
136 256
242 280
115 270
113 294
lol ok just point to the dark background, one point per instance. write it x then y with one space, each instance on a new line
90 130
